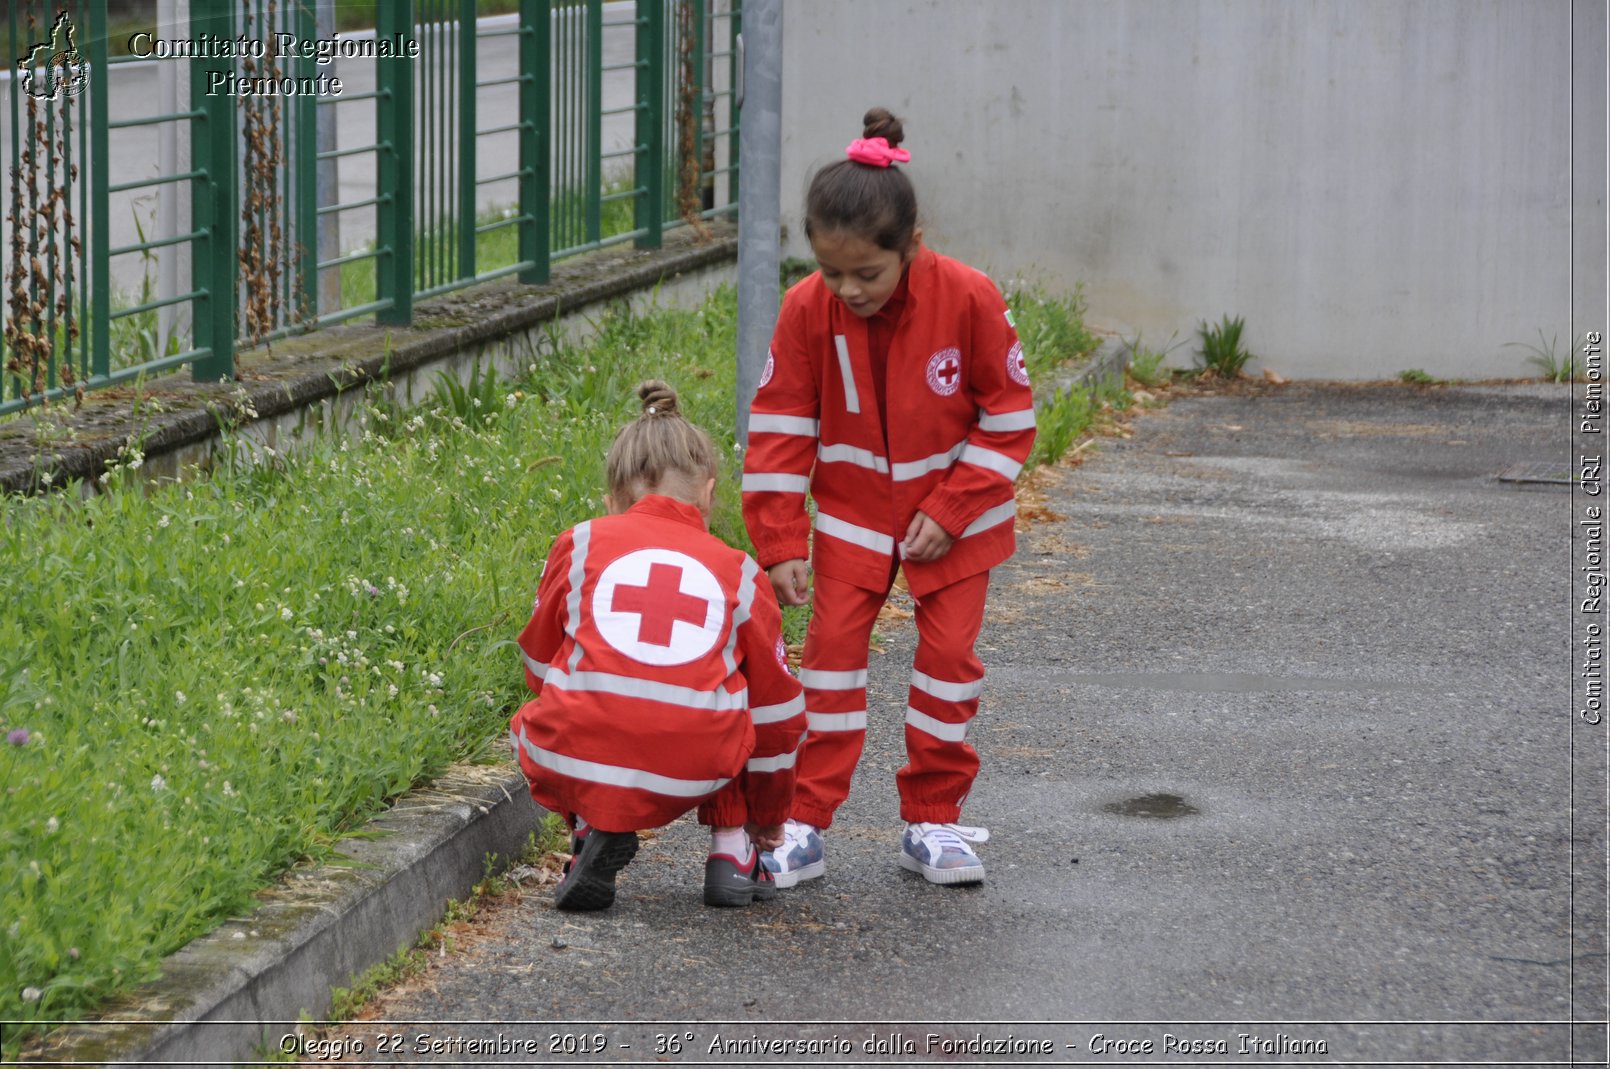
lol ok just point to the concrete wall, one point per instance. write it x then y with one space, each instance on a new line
1374 184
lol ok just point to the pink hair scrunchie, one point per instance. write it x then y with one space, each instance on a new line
875 152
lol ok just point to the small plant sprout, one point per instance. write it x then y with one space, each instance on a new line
1547 359
1222 352
1416 377
1146 364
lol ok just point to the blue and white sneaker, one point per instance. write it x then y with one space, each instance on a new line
799 858
941 852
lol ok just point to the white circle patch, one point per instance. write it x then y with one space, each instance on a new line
659 607
1015 365
771 366
945 372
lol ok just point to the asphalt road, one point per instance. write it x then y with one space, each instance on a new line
1276 741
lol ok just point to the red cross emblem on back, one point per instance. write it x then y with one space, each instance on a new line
660 604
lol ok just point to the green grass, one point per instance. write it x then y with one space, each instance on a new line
219 679
1051 328
1147 365
202 684
1071 412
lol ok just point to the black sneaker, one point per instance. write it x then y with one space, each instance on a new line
729 883
589 881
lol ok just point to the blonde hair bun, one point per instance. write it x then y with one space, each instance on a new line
658 398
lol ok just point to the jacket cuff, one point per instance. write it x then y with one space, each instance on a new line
771 554
948 512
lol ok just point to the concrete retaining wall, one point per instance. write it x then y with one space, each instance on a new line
1374 184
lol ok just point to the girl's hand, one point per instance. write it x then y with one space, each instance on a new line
925 540
766 836
792 581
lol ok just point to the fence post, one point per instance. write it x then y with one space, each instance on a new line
308 165
467 33
696 24
650 90
394 125
536 137
100 266
735 76
214 198
593 165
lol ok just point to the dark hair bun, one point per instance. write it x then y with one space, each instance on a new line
879 123
658 398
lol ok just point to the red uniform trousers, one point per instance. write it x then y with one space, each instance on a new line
946 681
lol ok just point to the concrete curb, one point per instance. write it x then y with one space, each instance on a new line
1110 359
235 994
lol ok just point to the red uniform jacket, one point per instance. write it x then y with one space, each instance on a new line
655 653
961 424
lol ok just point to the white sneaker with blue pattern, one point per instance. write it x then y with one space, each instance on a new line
942 852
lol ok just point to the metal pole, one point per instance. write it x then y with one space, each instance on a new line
394 122
648 172
173 198
329 177
760 139
536 136
214 198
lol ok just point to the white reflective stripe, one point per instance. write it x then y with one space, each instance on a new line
536 667
1021 420
916 469
773 764
581 538
937 728
777 481
740 612
617 776
804 426
836 721
713 701
852 399
817 679
771 714
999 463
876 541
945 691
992 517
850 454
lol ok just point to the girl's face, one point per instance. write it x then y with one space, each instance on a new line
858 272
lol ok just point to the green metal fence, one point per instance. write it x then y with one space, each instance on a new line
149 227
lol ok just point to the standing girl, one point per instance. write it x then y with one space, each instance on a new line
894 394
655 656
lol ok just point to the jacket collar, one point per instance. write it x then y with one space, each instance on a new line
668 508
921 276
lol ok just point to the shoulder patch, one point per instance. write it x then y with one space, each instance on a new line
1015 365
